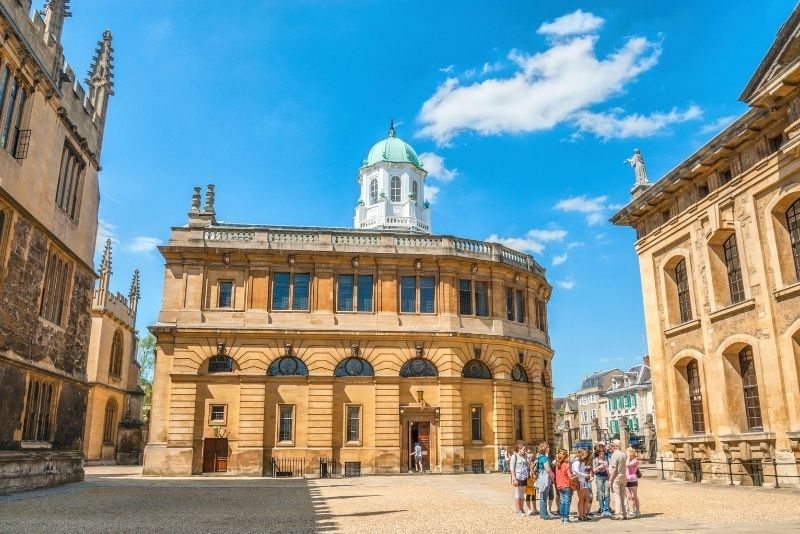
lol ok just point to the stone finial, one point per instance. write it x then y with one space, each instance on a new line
134 293
195 201
55 11
105 263
209 207
100 78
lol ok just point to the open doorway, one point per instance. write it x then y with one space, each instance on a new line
419 432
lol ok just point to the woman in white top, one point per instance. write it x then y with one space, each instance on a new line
581 466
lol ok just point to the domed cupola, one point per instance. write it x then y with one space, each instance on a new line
392 181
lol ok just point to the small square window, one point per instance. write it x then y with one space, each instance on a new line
725 176
217 413
775 143
702 190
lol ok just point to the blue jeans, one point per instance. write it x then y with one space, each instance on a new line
566 501
603 495
543 496
501 464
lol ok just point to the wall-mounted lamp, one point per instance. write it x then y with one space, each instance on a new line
420 395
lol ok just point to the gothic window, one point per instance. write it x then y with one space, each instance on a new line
682 282
793 222
418 367
518 374
752 405
354 293
225 297
417 294
735 284
110 421
55 288
39 409
286 422
220 364
354 367
476 421
695 397
287 366
476 369
414 190
394 189
373 191
353 424
290 291
69 181
115 362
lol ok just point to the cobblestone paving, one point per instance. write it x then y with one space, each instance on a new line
118 499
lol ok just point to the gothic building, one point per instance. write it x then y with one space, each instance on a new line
113 432
306 349
718 240
51 134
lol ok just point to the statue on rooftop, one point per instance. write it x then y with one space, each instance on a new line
637 162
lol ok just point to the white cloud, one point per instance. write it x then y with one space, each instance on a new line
534 241
594 208
105 231
565 284
610 125
549 88
431 192
488 68
434 164
718 125
574 23
143 244
560 258
448 69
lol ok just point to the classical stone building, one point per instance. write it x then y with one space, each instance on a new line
50 137
281 346
718 240
627 403
113 431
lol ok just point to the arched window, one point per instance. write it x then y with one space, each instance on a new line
395 189
110 422
695 397
476 369
353 367
287 366
682 282
752 404
414 190
793 223
373 191
220 364
418 367
734 269
115 363
518 374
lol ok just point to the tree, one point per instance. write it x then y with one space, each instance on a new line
146 356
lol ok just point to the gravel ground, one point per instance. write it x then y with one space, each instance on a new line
118 499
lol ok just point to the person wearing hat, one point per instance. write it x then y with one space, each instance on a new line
617 479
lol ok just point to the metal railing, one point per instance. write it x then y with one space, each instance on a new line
745 472
288 467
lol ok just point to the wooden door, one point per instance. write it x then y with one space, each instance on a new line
424 434
215 455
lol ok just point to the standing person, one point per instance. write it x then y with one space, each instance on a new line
617 479
581 468
632 485
544 480
530 490
600 470
564 477
501 460
555 500
519 476
418 457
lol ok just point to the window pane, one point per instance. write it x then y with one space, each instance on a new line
482 299
509 304
353 423
300 291
476 423
395 189
12 99
752 404
344 293
373 191
682 281
225 294
793 223
520 305
218 413
695 397
4 87
465 297
427 297
285 430
735 283
408 294
365 292
280 291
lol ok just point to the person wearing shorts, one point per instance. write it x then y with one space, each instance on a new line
519 476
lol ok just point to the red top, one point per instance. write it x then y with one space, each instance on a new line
562 476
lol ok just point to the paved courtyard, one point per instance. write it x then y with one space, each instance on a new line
118 499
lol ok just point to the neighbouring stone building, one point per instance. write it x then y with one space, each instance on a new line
566 425
51 134
279 347
718 240
113 431
627 403
588 399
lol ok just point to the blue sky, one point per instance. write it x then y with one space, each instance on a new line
525 114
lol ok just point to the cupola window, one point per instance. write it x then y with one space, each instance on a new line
414 190
373 191
395 189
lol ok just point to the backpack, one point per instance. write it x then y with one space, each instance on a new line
521 468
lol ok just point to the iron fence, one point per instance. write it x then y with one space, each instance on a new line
287 467
746 472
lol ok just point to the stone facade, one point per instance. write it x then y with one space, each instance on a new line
627 403
588 399
48 222
241 382
719 256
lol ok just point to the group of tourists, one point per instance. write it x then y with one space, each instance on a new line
614 472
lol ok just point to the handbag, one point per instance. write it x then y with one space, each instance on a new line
638 473
574 484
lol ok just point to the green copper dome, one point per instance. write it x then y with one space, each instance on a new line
392 149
